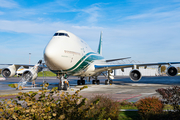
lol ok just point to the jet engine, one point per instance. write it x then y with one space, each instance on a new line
135 75
171 71
8 72
29 75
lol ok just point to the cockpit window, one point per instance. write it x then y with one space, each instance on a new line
61 34
56 34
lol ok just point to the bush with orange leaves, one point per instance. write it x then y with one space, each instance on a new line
149 106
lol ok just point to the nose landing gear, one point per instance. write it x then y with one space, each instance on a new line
63 83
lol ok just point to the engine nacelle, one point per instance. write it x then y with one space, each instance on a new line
29 75
135 75
171 71
8 72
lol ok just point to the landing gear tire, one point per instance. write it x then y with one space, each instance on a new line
106 82
93 82
59 86
65 86
78 82
98 82
83 82
110 82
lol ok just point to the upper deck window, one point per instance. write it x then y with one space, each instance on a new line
61 34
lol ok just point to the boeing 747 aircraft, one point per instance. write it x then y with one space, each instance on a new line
68 55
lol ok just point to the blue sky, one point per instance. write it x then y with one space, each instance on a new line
148 31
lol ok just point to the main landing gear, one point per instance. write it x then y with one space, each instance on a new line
63 83
81 81
108 81
96 81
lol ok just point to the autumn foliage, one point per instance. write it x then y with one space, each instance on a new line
55 105
107 107
149 106
171 96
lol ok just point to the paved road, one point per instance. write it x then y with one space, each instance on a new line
122 89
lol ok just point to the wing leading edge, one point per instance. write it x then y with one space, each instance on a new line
106 67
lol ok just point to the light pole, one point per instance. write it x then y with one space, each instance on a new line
29 58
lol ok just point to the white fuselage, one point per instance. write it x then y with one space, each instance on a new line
66 53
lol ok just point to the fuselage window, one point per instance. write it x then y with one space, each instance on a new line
61 34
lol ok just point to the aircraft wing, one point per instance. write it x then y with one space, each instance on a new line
19 65
13 68
106 67
25 65
111 60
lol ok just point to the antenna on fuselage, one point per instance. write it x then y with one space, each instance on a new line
100 45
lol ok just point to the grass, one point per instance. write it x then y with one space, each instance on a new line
133 115
168 107
47 74
129 107
129 115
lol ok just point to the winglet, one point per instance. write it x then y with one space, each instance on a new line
100 45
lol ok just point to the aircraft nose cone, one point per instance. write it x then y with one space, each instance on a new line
48 53
50 57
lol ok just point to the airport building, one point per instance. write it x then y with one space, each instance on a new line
144 72
149 71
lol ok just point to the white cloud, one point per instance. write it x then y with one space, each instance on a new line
89 15
156 33
8 4
93 12
29 26
1 13
157 15
169 14
87 27
121 41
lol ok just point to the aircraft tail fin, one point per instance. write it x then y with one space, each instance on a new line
100 45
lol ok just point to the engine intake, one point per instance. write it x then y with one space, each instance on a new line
135 75
29 75
8 72
171 71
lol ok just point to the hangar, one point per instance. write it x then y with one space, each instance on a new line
144 72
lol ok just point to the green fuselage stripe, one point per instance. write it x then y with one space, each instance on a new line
82 64
79 61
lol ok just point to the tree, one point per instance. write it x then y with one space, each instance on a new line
163 68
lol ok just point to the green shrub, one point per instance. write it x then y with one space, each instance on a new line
149 106
42 105
55 105
106 108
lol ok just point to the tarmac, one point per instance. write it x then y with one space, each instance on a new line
122 89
